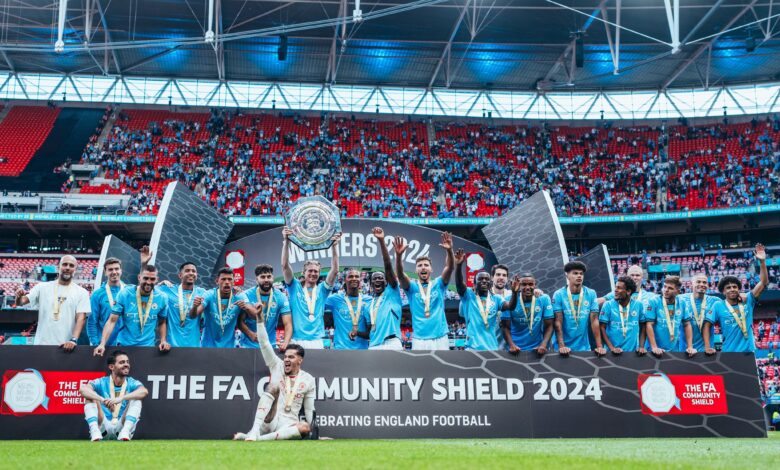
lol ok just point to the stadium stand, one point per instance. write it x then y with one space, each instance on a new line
22 132
256 164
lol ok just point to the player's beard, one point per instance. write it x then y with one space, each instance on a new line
266 286
67 277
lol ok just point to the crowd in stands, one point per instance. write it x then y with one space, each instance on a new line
257 164
769 376
715 266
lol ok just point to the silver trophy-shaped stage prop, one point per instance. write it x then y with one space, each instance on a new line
314 221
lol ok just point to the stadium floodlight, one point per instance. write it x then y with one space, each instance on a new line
357 13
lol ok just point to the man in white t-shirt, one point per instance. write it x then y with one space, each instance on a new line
62 305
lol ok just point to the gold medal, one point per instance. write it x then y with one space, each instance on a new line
58 301
112 391
355 316
110 296
529 320
376 302
670 319
144 309
289 393
219 309
425 294
575 312
484 309
268 306
698 315
740 318
185 307
311 300
624 316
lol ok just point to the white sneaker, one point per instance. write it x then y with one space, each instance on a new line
95 436
252 437
123 436
239 436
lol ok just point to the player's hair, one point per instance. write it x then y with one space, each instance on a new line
112 358
149 268
423 258
187 263
112 260
629 283
263 269
673 280
351 268
228 271
496 267
311 262
297 348
726 281
527 274
572 265
371 276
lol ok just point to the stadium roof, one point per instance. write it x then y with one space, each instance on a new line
460 44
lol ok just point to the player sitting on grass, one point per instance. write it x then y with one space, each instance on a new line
288 390
113 402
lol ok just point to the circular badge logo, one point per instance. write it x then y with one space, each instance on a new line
658 394
24 392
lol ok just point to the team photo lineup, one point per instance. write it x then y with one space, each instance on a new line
423 233
502 311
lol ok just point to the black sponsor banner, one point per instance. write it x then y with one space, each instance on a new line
212 393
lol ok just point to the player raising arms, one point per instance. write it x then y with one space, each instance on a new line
480 307
289 389
307 299
735 312
426 297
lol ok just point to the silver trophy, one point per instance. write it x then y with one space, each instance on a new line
313 220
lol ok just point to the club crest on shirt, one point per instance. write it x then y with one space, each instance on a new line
154 306
538 309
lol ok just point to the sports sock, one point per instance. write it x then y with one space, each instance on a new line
91 416
263 408
289 432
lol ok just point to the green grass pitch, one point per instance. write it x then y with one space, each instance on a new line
417 454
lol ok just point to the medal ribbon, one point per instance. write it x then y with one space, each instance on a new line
268 305
699 317
533 311
484 309
219 309
311 300
425 294
57 302
110 296
354 316
740 318
670 323
144 309
624 316
575 313
112 391
289 392
376 302
183 308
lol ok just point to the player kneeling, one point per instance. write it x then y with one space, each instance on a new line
113 405
288 390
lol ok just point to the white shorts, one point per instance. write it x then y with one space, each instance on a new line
279 422
441 343
392 344
109 430
309 343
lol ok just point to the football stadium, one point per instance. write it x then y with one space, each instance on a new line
386 233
